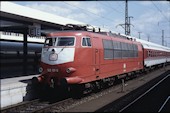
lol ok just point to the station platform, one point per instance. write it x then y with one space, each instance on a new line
16 90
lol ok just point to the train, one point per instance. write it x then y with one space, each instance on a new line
12 53
84 61
7 46
13 42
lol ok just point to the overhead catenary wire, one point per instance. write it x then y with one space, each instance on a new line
160 11
89 12
110 12
114 9
168 20
136 30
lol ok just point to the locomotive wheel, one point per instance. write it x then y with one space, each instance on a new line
63 88
37 87
76 91
34 80
42 90
97 86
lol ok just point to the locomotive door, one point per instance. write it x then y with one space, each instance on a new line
96 55
97 58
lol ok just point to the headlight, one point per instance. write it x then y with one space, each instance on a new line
70 70
40 69
53 57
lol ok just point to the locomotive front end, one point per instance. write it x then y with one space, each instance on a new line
57 60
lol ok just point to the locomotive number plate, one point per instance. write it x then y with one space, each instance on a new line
52 70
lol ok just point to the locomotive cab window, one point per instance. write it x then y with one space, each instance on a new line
65 41
86 42
59 41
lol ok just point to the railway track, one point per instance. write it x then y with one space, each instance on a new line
60 105
34 106
39 105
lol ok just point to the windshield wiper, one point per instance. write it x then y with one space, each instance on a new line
65 45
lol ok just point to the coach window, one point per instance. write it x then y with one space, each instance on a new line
156 53
86 42
150 53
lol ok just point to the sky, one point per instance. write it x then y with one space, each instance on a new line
149 18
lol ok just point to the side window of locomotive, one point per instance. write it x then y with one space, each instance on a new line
48 42
117 50
108 49
125 50
86 42
135 51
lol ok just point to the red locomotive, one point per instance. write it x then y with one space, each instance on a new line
91 60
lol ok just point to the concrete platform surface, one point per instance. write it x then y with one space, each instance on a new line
16 90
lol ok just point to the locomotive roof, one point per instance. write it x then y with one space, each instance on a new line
99 33
146 44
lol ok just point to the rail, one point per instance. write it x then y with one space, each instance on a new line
36 105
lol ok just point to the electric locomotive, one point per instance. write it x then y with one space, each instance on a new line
87 60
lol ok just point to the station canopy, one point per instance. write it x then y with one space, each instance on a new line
20 19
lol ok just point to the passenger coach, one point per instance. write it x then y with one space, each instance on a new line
154 54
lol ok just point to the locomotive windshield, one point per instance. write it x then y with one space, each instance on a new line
59 41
